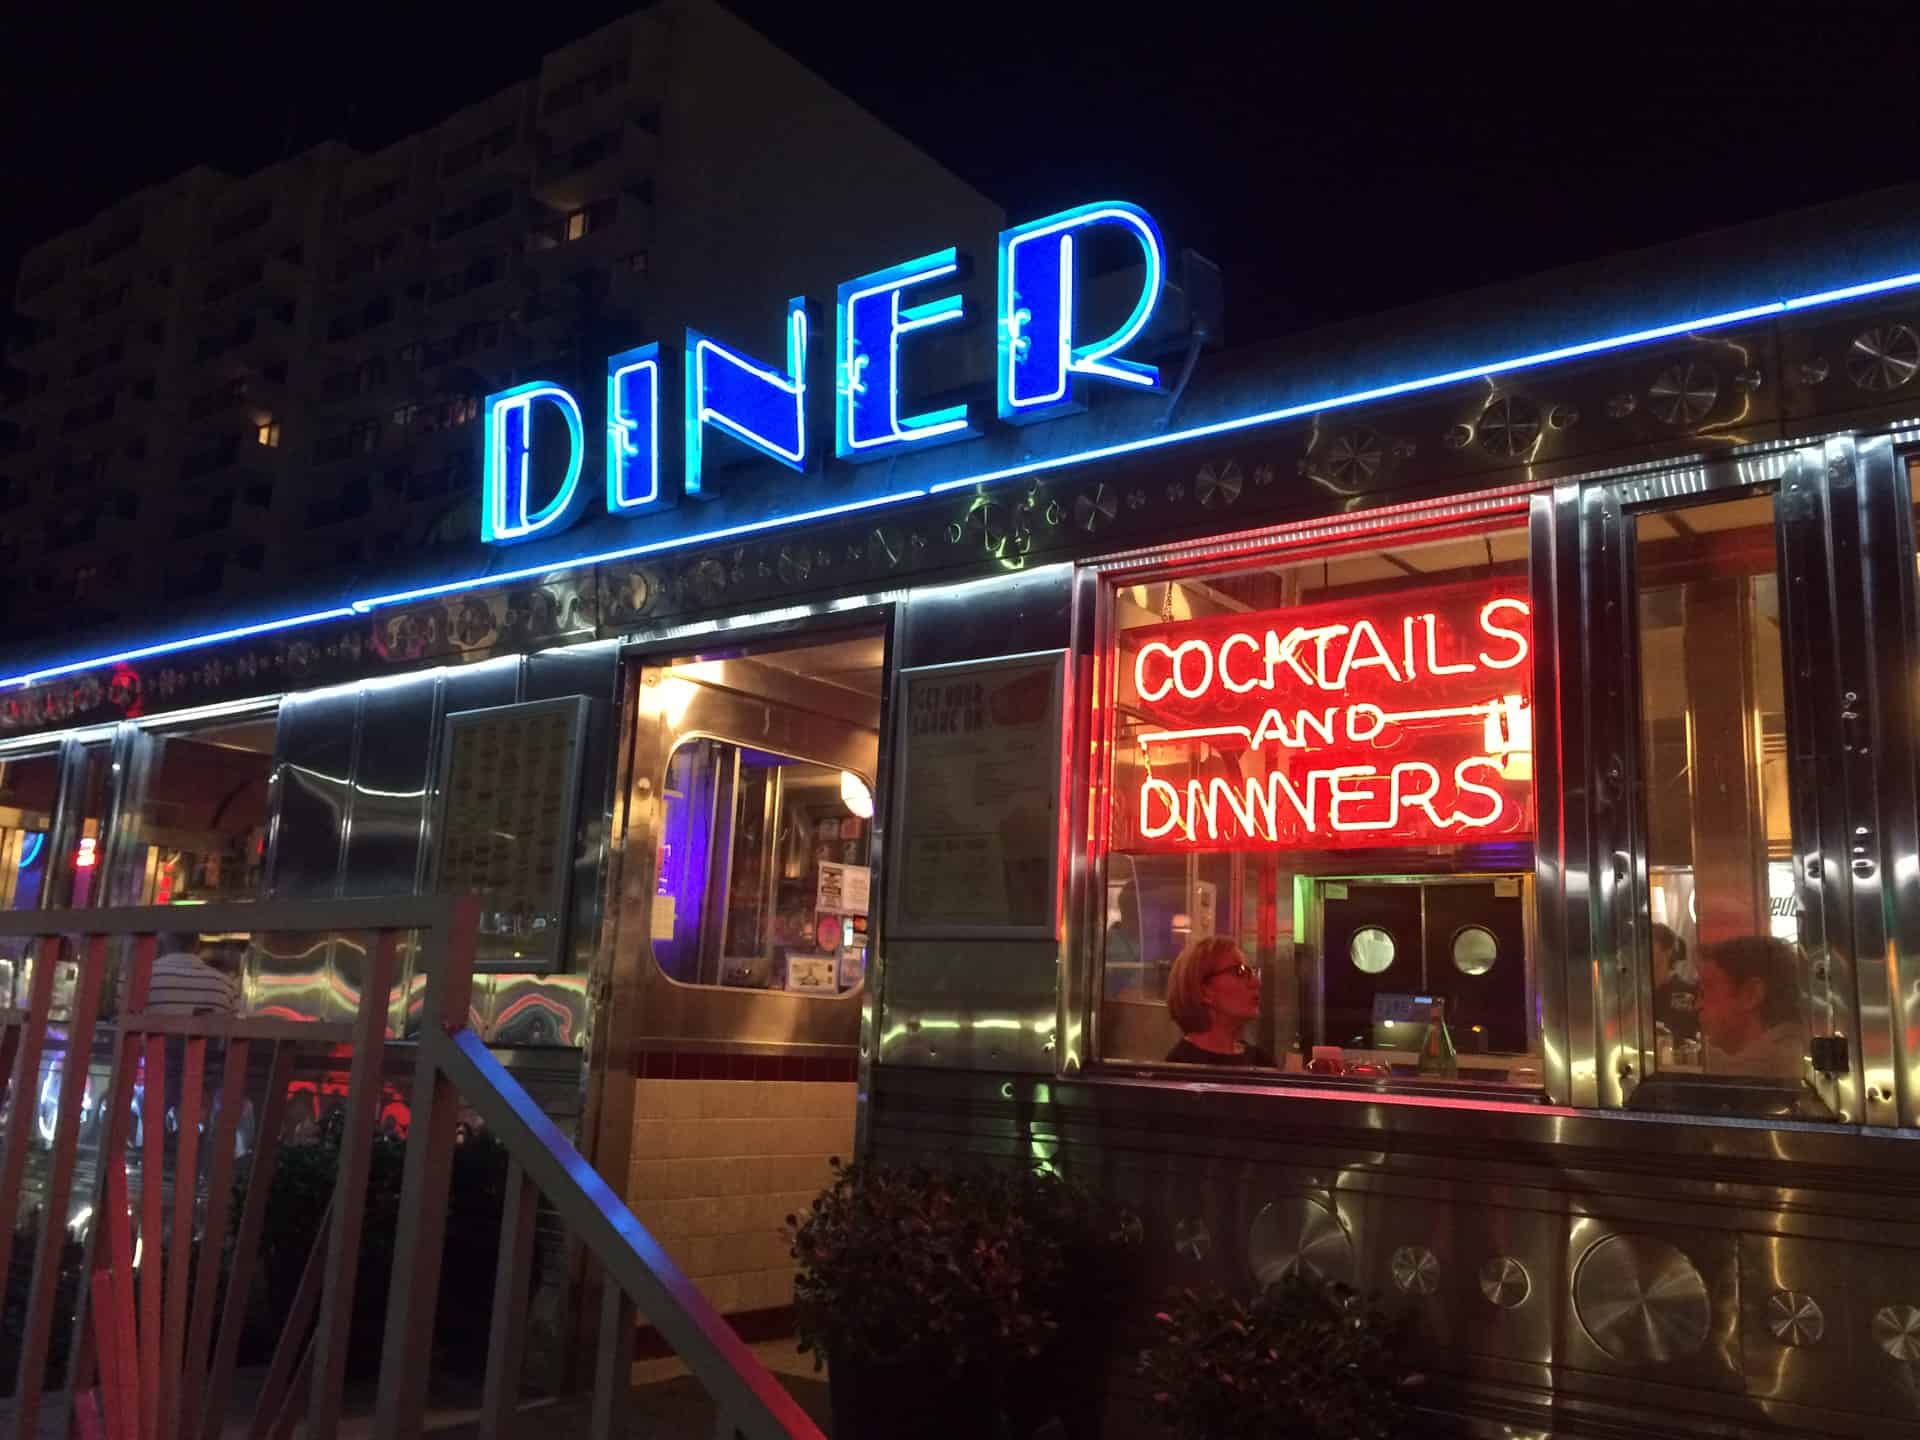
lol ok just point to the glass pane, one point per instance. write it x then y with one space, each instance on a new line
1728 975
1327 764
763 871
29 786
202 824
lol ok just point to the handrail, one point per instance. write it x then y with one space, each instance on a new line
633 1259
453 1065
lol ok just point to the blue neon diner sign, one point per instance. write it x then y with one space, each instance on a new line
1043 362
1043 357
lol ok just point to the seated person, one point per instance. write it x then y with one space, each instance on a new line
1212 994
1676 986
1750 1008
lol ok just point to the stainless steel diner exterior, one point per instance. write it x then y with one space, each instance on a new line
1581 1260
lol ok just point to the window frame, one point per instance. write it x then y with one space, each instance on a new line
1090 786
681 740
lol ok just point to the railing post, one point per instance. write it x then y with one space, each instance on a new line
112 1163
413 1298
53 1231
350 1190
233 1092
613 1375
24 1093
253 1214
507 1336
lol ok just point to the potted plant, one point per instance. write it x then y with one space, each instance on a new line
937 1296
1308 1360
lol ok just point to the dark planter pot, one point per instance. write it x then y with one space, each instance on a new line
889 1402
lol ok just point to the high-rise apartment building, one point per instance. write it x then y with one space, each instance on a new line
228 384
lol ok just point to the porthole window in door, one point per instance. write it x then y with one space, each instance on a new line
1371 950
1474 949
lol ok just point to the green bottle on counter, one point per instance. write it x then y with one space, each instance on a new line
1437 1055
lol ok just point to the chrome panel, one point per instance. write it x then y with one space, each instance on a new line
1570 1273
388 796
1005 615
1084 707
1815 679
1855 757
1886 499
1796 1300
1881 1321
1607 695
971 1004
535 1010
1549 581
134 755
1574 921
313 767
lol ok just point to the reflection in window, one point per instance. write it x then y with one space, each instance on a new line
1329 761
201 819
1728 974
762 871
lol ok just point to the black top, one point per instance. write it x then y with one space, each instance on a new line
1676 1004
1188 1053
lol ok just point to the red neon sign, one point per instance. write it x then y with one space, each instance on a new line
1384 720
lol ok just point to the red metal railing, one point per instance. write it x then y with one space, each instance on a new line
157 1334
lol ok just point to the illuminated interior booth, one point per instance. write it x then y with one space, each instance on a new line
853 729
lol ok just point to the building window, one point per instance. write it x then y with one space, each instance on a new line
1323 768
84 579
267 433
577 225
405 415
637 262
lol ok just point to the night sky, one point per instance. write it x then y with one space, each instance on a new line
1336 159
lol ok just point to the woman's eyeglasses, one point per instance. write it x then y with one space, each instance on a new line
1243 970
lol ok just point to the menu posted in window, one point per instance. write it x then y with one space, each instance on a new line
980 798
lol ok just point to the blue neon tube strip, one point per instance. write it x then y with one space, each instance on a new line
989 477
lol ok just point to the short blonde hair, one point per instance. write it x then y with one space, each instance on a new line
1186 983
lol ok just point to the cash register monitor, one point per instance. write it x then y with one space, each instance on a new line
1400 1021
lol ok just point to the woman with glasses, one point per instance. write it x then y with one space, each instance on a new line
1213 993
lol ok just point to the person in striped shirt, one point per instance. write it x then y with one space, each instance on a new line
185 982
188 979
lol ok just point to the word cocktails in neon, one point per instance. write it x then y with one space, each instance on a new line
1387 720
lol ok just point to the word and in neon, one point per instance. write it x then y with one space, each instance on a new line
1389 720
1043 356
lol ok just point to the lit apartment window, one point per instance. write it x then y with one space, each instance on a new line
267 433
577 225
405 415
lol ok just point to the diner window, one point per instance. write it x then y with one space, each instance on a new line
1320 855
200 818
763 871
1727 972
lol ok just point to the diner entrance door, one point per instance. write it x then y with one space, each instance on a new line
739 945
